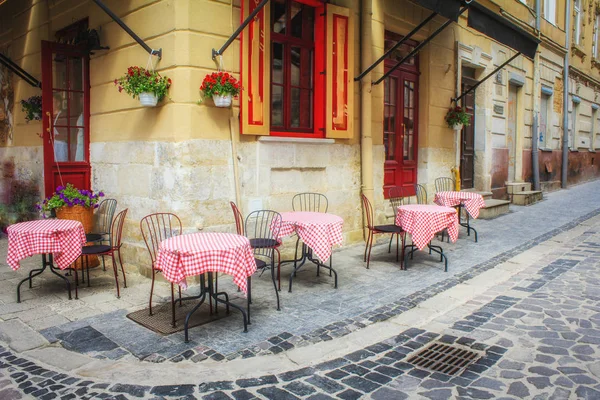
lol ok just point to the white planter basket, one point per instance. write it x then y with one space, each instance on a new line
457 127
148 99
222 101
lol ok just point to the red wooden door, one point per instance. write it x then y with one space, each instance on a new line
467 153
400 131
66 116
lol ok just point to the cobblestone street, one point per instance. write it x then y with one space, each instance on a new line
525 301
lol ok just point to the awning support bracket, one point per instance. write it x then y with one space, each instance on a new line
494 72
131 33
20 72
400 42
418 48
216 53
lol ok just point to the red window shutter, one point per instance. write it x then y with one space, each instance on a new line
340 83
255 97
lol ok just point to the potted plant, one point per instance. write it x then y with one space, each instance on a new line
221 87
148 86
457 117
32 107
68 202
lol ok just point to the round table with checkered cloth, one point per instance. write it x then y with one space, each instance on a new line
63 238
423 221
471 201
319 231
197 253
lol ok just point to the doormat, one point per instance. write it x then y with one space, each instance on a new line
160 320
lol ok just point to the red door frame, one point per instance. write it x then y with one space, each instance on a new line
76 172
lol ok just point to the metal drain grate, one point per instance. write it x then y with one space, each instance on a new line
443 358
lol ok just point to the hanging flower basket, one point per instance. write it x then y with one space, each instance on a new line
456 117
144 84
221 87
32 107
148 99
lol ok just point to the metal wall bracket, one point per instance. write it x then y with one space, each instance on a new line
20 72
131 33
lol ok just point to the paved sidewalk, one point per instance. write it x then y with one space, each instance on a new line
525 298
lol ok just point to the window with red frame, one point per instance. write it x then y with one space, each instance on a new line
292 66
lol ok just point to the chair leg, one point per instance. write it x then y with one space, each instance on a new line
152 290
249 296
278 269
403 250
172 306
273 279
390 244
87 268
367 246
76 282
397 240
122 267
116 275
103 265
370 246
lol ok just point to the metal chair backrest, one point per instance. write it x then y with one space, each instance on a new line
308 201
420 193
397 198
103 218
116 229
239 218
444 185
263 224
368 210
158 227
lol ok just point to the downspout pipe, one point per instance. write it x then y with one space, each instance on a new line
366 137
565 141
535 137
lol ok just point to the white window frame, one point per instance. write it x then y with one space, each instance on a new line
593 130
577 22
544 122
573 130
596 34
550 11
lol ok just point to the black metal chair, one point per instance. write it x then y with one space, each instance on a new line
377 229
103 218
113 247
445 184
420 193
315 202
262 229
397 199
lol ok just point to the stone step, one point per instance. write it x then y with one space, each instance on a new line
515 187
550 186
485 195
494 208
527 197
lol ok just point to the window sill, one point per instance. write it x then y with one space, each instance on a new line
577 50
280 139
546 149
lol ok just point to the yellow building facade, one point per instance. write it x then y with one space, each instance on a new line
192 158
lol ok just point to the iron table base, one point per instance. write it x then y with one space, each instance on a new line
432 248
308 256
47 261
212 294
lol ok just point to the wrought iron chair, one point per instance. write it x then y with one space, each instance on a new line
377 229
156 228
308 201
262 228
114 247
445 184
420 193
239 218
103 218
397 199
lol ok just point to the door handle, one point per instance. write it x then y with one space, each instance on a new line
49 128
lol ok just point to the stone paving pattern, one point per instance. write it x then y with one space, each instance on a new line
539 331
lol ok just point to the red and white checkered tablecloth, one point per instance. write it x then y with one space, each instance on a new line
319 231
423 221
197 253
62 237
471 201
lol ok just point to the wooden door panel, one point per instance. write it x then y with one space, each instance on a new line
467 156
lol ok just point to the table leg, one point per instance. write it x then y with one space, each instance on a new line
227 302
467 224
47 261
307 255
189 315
432 248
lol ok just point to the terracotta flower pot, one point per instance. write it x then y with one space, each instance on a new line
85 215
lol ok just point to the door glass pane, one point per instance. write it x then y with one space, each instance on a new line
75 67
277 63
296 19
409 118
76 143
59 71
278 16
60 125
277 106
389 136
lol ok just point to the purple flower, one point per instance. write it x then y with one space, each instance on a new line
101 194
96 205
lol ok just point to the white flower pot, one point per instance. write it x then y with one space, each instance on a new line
222 101
457 127
148 99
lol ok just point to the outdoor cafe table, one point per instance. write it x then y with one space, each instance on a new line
59 241
319 232
472 202
423 221
194 254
